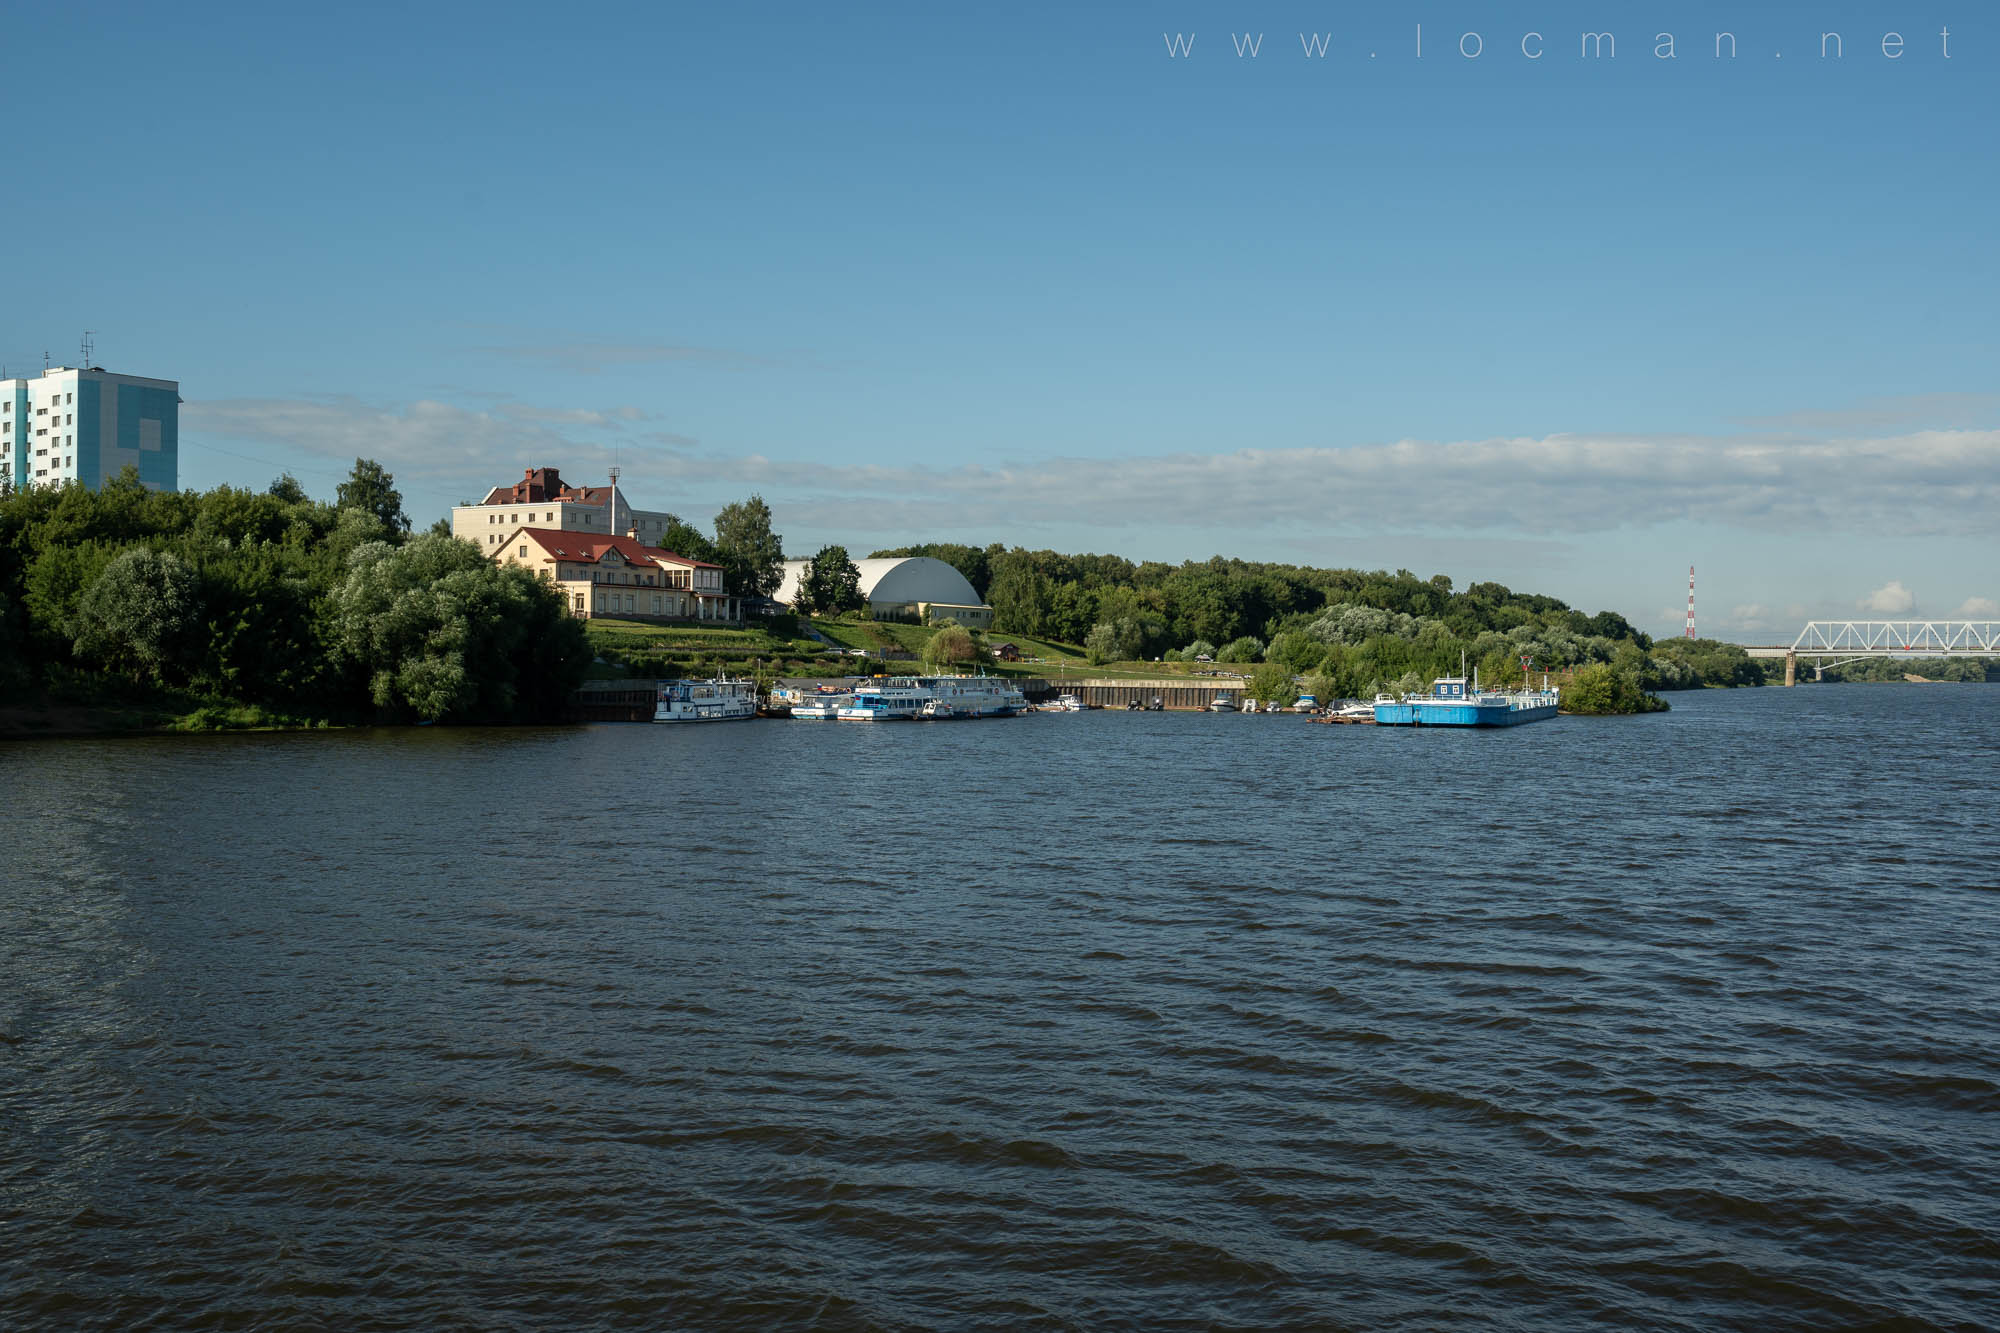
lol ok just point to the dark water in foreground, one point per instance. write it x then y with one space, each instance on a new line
1103 1020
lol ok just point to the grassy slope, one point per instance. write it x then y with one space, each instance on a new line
696 650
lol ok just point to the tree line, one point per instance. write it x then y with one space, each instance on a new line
1348 632
293 608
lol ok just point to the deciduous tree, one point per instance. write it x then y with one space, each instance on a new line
951 646
441 633
685 539
1272 683
831 584
751 555
372 488
139 615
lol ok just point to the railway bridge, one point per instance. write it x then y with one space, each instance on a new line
1827 643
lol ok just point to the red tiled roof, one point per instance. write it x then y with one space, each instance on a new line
589 548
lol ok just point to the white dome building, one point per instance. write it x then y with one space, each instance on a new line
911 587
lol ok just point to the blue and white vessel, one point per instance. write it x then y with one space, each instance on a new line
716 700
822 704
886 699
972 696
1456 702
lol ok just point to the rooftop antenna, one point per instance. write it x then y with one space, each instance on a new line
86 348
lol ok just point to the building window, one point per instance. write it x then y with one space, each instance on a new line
524 552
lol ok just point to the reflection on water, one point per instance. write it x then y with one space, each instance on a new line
1066 1021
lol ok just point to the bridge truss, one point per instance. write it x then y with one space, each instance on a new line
1899 638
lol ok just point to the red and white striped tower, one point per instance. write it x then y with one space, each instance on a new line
1690 632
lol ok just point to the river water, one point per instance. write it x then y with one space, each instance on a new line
1086 1021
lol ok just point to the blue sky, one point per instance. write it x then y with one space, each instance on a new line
1018 274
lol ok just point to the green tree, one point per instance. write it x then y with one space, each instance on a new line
1297 650
751 555
687 540
371 488
951 646
1019 594
13 661
440 633
140 615
831 584
1120 640
288 489
1246 649
1272 682
1601 688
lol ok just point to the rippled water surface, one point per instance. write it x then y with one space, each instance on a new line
1101 1020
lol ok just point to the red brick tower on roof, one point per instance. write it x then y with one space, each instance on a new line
539 485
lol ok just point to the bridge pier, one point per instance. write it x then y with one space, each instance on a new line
1791 669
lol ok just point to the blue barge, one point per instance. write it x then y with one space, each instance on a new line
1451 704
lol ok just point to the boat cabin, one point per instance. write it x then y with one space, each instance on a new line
1448 687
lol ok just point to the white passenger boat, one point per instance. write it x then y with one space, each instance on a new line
1305 703
886 699
974 696
1222 703
717 700
821 705
1063 703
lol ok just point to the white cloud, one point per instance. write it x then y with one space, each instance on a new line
455 449
1978 608
1892 598
1930 483
1927 483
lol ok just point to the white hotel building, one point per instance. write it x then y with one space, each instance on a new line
84 425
